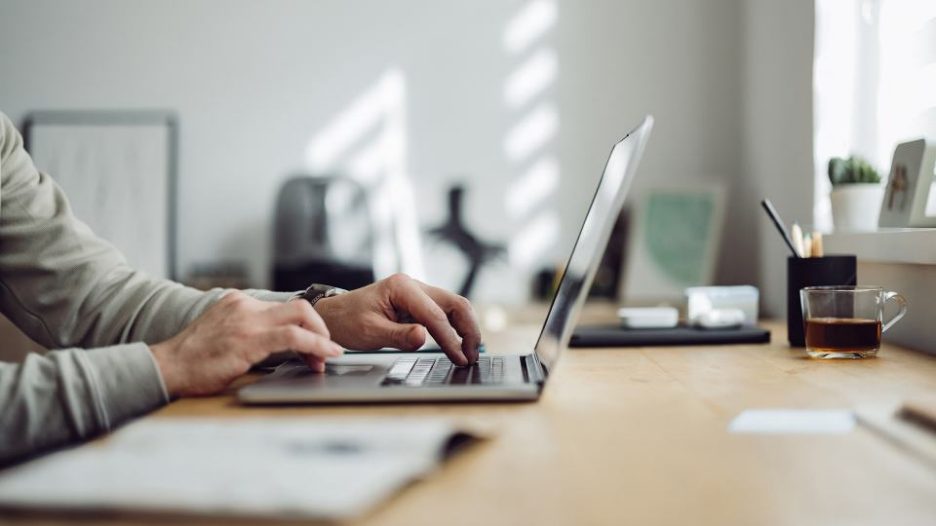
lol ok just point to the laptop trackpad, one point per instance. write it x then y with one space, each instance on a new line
357 369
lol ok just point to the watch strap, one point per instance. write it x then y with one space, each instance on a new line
316 291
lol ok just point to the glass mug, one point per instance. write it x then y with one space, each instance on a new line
846 321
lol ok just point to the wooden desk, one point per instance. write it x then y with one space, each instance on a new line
638 436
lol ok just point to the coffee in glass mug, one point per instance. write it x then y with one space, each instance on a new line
847 321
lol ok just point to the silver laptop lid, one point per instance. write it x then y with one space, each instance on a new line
590 245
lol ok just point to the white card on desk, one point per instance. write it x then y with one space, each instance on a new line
263 467
793 421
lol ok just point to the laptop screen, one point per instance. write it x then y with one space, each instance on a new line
590 245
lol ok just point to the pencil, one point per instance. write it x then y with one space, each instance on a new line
817 250
799 242
775 217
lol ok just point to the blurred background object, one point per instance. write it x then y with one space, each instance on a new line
453 230
324 228
118 169
675 241
219 274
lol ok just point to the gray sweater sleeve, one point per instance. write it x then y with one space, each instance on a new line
73 394
69 289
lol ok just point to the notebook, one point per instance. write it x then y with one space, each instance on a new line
256 468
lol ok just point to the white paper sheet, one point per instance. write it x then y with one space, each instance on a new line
256 467
792 421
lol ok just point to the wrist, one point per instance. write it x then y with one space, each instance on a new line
163 356
324 306
317 292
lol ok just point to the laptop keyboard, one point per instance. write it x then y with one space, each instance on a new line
432 372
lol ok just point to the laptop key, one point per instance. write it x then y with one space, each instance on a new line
439 373
398 371
460 376
419 372
413 372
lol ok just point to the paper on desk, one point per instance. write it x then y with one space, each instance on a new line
792 421
256 467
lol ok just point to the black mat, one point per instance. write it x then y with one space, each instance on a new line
617 336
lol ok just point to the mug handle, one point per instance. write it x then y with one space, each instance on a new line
901 302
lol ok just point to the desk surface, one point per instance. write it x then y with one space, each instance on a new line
638 436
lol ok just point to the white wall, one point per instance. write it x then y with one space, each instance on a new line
253 82
777 146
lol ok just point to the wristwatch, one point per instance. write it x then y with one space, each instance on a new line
317 291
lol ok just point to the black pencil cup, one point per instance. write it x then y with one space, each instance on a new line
813 272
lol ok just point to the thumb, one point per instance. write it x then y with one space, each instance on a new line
404 336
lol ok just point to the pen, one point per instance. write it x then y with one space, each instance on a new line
775 217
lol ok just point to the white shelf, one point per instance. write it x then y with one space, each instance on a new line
895 245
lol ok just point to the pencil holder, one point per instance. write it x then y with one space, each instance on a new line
812 272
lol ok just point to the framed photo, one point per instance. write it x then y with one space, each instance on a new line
674 241
908 197
118 170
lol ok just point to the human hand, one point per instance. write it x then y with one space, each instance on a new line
235 333
396 311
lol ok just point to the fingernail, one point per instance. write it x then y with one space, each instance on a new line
337 350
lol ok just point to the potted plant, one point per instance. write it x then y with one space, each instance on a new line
856 194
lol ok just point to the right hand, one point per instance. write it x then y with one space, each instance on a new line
235 333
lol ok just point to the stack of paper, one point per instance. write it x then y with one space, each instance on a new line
257 467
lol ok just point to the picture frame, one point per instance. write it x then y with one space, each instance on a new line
674 241
908 197
119 171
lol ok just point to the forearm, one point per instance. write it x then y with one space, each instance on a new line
71 395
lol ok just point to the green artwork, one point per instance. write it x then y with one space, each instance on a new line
678 230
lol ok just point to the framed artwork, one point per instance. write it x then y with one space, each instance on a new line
908 197
118 170
674 241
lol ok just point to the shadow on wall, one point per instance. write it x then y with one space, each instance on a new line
530 143
367 142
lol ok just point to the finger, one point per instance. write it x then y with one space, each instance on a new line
315 363
298 312
409 297
302 341
461 315
403 336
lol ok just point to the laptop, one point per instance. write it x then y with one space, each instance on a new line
430 376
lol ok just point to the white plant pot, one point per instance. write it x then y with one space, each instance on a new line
855 207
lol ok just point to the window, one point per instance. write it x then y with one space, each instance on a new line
874 83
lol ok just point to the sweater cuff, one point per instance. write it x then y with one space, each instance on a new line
268 295
128 381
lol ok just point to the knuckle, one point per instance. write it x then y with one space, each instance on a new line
462 303
398 280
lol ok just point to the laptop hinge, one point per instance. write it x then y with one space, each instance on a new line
537 373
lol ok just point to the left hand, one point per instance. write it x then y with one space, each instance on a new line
382 314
